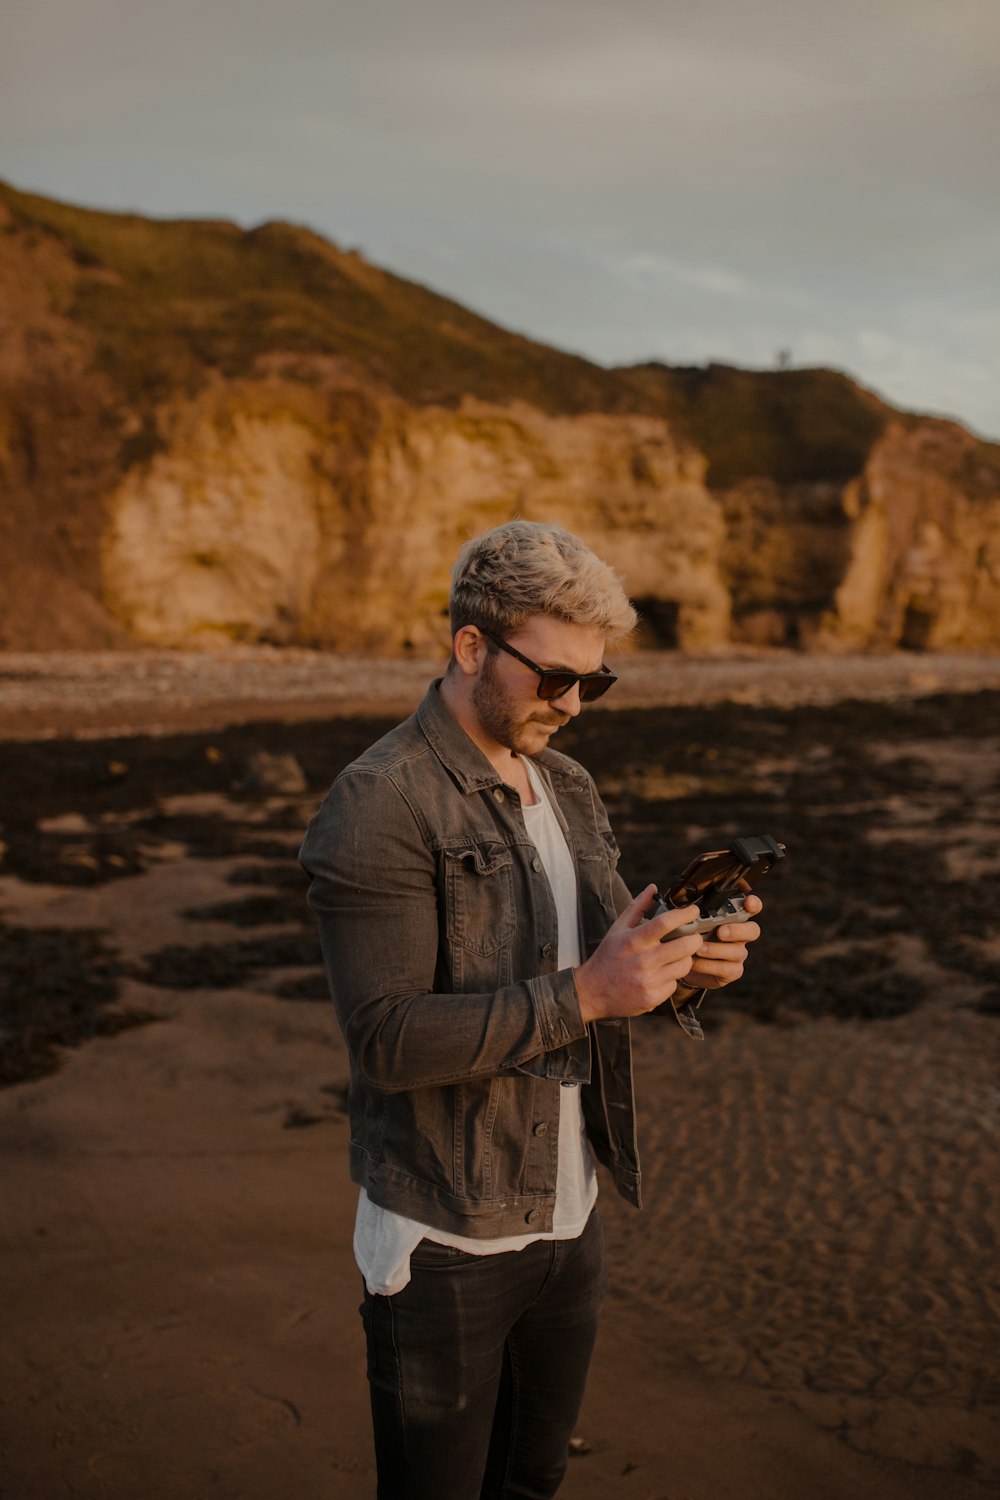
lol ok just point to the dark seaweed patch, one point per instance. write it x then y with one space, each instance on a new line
57 988
228 965
818 778
284 875
258 911
70 859
312 986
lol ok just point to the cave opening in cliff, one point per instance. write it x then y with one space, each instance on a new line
918 627
659 623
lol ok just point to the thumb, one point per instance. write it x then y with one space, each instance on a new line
637 909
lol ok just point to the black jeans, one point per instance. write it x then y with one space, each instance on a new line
477 1368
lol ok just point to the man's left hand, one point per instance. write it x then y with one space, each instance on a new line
720 960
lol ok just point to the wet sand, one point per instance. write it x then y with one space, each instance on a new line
809 1304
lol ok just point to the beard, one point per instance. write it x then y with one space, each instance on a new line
504 722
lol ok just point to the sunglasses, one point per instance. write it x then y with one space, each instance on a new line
553 682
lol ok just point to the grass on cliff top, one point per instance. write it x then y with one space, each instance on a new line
168 301
790 425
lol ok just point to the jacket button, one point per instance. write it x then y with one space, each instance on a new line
536 863
542 1129
533 1217
547 950
498 794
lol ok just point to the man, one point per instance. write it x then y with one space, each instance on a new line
484 957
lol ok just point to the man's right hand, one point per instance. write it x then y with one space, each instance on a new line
634 970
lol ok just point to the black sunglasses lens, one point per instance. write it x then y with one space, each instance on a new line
554 684
595 687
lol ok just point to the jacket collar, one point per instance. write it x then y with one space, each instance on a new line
462 757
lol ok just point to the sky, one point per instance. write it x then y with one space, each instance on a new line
684 180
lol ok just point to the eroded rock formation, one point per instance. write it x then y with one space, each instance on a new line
924 563
210 435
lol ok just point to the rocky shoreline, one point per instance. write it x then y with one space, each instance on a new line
92 694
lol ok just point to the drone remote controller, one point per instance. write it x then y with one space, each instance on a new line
718 883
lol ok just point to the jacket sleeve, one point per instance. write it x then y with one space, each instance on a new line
373 890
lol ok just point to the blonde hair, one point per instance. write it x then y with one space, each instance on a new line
527 568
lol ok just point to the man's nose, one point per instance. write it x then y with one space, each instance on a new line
569 701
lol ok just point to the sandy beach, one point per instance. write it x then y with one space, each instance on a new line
808 1307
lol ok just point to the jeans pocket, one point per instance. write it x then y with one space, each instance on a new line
430 1256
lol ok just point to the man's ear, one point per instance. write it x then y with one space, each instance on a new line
468 649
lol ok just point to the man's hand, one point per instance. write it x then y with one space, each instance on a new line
721 958
634 970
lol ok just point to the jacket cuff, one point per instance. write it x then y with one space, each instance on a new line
564 1032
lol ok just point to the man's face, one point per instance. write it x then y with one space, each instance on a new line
505 693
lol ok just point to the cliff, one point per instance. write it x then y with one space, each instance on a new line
214 434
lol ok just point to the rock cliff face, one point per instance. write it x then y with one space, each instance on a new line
924 563
210 435
271 515
906 554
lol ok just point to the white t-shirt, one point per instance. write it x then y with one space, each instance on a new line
383 1240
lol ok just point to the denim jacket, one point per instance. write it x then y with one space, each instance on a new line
438 929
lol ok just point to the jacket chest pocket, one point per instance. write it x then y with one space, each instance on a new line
479 896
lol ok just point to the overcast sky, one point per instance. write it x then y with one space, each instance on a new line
676 179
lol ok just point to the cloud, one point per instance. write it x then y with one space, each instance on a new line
664 177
